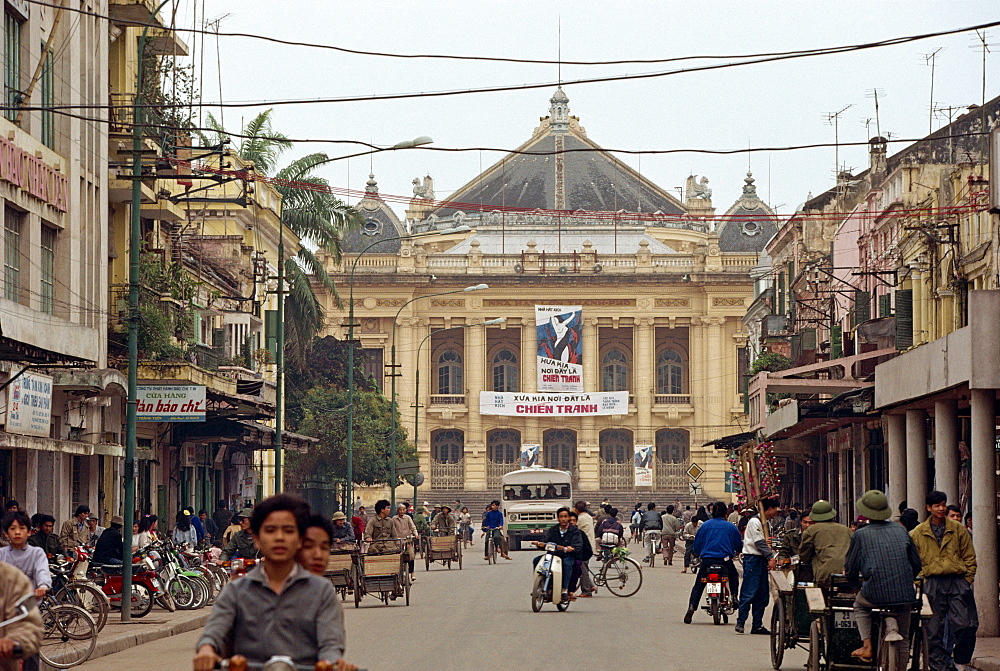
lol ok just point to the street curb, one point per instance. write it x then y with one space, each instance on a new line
127 641
986 664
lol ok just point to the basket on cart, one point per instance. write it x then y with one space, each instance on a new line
445 549
342 571
383 574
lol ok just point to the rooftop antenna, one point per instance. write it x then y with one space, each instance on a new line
929 59
981 36
559 47
874 93
833 118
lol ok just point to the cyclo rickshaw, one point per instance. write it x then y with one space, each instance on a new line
443 547
343 568
822 622
383 572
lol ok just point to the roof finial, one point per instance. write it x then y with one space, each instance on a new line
559 111
749 190
371 186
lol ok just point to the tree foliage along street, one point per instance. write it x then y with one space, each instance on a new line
316 403
316 217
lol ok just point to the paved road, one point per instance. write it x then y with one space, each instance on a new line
481 617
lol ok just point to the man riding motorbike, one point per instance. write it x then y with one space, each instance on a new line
569 546
716 542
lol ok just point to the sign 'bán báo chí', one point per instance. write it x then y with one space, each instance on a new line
171 403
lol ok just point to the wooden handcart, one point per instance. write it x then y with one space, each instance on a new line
342 569
445 549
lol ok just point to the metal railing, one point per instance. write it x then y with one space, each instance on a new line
673 399
448 476
496 470
617 476
447 399
670 476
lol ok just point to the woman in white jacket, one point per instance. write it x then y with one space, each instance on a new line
184 532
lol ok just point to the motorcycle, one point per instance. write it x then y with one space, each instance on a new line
548 581
718 600
145 584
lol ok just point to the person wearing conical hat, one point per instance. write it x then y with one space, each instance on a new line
824 544
884 556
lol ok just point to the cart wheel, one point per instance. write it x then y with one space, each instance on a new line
779 632
357 595
427 561
448 563
815 646
459 561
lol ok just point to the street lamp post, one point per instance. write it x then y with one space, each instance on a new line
416 384
394 375
350 351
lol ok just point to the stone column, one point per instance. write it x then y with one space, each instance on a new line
644 368
946 448
984 508
895 436
917 284
587 447
916 460
475 441
421 395
529 347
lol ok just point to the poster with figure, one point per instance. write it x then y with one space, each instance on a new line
643 465
560 347
531 455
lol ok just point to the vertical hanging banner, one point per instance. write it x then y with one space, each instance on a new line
560 347
643 465
531 455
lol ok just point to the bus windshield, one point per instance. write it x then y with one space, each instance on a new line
534 492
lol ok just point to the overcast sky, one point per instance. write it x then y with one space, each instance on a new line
773 104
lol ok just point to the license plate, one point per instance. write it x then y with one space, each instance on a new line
155 583
844 620
537 531
713 588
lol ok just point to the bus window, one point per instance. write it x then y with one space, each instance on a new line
565 492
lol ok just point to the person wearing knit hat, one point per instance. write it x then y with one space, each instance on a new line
825 543
884 556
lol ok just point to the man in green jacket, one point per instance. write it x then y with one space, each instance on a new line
825 543
948 563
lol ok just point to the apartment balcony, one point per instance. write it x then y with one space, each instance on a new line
130 12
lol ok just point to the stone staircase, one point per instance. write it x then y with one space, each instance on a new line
621 499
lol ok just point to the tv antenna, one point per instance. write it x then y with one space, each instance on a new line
930 59
875 93
833 118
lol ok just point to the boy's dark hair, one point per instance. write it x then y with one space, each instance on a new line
573 515
381 505
36 520
42 519
670 509
935 497
15 516
320 522
952 508
719 510
81 509
494 501
650 506
12 503
222 504
279 502
769 503
561 510
202 512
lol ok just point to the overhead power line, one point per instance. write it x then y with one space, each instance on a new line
506 59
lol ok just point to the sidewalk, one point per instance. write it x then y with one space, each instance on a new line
118 636
987 657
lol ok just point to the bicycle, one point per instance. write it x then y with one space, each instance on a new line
651 541
69 635
621 575
67 589
491 553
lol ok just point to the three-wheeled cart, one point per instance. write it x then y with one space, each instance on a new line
342 569
384 575
445 549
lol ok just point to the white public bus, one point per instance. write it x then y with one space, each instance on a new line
530 498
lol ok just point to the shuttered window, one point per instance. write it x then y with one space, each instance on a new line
904 319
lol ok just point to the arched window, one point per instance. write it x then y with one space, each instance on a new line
559 449
505 373
503 446
449 373
672 446
614 371
616 446
669 372
447 446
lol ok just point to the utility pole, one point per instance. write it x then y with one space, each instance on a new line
279 360
131 404
930 59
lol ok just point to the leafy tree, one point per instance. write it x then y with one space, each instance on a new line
771 362
325 416
311 212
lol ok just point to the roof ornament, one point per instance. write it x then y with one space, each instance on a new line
371 186
559 111
749 190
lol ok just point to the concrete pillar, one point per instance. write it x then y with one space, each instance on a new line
587 448
529 350
475 441
946 448
917 284
916 460
984 508
895 434
644 368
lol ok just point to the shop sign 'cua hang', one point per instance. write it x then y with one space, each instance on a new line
515 404
171 403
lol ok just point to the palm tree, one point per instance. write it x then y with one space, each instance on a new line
314 215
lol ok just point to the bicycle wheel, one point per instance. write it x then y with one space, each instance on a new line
69 636
623 577
88 597
182 591
920 651
778 633
888 655
815 646
652 554
203 591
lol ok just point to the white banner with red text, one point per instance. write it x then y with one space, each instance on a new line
515 404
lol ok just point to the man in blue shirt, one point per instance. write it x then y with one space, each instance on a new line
493 528
716 542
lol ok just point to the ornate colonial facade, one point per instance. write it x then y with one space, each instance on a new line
663 284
